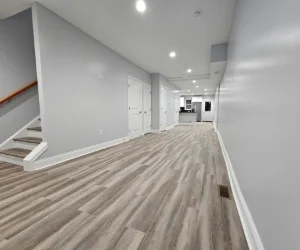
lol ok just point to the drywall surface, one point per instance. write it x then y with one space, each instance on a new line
17 113
17 58
218 52
170 88
83 85
17 69
261 84
155 101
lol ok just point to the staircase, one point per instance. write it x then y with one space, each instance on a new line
17 148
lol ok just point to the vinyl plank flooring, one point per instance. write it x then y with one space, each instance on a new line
130 240
152 192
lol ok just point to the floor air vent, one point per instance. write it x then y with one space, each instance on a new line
224 192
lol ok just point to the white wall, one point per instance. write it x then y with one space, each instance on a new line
75 103
170 88
216 104
259 116
158 81
17 58
155 101
17 69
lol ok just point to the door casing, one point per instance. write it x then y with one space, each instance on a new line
135 107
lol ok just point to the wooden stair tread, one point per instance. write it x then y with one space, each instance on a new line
35 128
17 152
34 140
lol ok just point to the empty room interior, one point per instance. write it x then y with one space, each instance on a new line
149 125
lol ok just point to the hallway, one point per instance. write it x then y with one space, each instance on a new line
159 191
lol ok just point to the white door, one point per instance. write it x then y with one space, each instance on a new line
135 108
177 107
163 110
147 108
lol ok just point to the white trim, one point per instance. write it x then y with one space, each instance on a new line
128 113
73 154
11 159
215 126
143 112
170 127
38 63
8 143
30 159
249 227
187 123
154 131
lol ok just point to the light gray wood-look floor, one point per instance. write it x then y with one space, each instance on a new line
159 191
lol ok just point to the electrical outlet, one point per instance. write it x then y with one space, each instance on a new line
101 132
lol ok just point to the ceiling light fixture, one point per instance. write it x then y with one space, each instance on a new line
172 54
189 71
188 90
197 86
194 81
205 90
141 5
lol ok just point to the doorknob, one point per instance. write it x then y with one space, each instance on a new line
140 112
145 112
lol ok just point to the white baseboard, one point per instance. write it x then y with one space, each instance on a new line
250 230
170 127
215 126
44 163
187 123
29 160
155 131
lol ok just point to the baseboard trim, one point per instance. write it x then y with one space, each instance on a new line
250 230
187 123
48 162
170 127
155 131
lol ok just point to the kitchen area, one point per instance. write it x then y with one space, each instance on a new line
195 109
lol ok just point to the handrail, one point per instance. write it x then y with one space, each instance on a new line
18 92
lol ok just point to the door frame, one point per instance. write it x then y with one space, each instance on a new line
176 109
162 88
128 114
143 112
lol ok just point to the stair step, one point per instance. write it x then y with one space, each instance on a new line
35 129
16 152
34 140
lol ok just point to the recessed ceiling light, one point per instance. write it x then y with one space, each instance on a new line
141 5
194 81
189 71
172 54
192 94
205 90
197 86
188 90
206 93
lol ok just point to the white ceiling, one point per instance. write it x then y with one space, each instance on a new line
147 38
